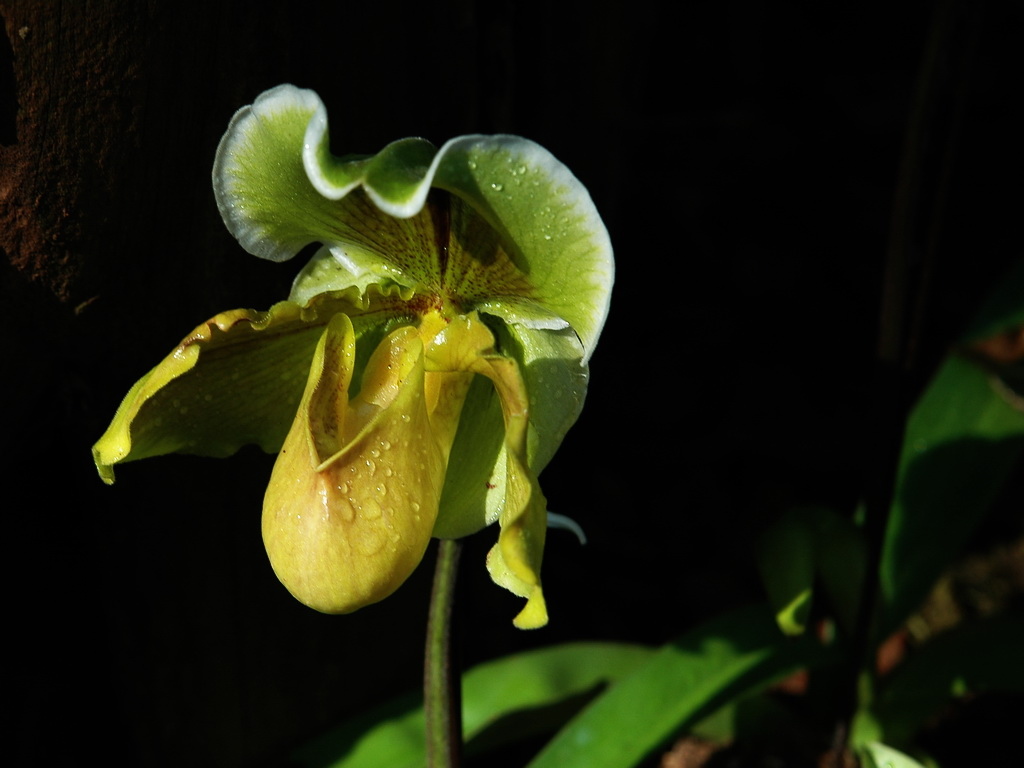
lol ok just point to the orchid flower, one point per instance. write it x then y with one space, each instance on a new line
422 372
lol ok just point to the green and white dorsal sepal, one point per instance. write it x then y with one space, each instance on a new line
546 265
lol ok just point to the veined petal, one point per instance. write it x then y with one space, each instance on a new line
259 182
270 204
548 220
235 380
354 493
279 187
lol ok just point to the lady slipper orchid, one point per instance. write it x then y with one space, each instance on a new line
425 367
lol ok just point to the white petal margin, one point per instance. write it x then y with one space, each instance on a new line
274 162
548 219
258 177
545 213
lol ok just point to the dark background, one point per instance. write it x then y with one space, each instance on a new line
746 157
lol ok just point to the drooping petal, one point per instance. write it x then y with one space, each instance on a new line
514 562
466 344
235 380
354 493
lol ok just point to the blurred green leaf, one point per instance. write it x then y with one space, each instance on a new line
684 682
1003 309
963 438
881 756
785 558
962 441
804 545
971 658
841 562
503 700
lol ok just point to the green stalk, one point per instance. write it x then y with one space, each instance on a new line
442 699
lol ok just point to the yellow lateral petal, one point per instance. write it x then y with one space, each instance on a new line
514 563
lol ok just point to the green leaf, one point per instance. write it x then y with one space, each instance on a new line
969 659
841 562
687 680
881 756
963 438
1003 309
503 701
808 545
785 559
962 441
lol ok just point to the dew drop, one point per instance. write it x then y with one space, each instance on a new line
375 453
472 165
371 511
348 511
371 466
382 489
497 187
385 445
405 417
370 543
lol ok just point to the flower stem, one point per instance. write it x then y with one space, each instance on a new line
441 683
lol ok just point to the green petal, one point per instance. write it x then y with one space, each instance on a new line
259 182
547 220
556 382
279 188
355 490
235 380
268 202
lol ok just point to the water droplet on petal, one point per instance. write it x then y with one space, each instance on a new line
371 510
